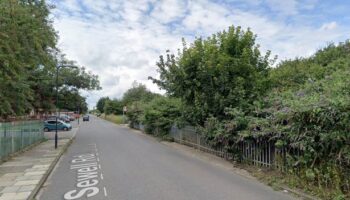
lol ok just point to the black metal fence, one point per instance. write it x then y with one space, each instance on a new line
256 152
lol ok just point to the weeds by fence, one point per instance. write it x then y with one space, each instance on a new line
17 135
260 153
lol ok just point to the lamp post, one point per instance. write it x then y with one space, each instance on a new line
57 109
78 114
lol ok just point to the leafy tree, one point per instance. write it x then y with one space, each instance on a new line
70 99
101 104
138 92
27 40
114 106
28 60
224 70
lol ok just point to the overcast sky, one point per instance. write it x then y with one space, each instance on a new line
122 40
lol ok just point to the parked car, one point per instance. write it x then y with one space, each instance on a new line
62 118
86 118
70 118
61 125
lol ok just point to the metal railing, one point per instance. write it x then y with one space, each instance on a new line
188 136
139 126
15 136
255 152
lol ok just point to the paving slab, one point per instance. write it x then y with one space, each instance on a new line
22 175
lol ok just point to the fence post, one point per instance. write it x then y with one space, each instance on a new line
244 157
5 139
254 153
198 142
21 138
265 154
249 153
180 131
12 142
1 143
257 153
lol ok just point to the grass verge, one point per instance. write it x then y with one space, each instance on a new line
117 119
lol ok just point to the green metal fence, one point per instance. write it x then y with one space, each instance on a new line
15 136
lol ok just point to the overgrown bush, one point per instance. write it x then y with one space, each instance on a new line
160 115
135 113
310 116
318 123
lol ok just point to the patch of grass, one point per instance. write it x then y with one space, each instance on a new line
117 119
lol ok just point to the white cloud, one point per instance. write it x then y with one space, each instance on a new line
309 4
71 5
329 26
206 17
285 7
121 40
169 10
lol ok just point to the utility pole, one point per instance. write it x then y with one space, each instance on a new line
56 137
57 109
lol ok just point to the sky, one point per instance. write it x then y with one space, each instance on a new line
121 40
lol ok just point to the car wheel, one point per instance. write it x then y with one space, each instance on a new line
65 129
46 129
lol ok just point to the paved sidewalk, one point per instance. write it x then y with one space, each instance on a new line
22 176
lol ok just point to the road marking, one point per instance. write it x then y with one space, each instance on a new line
104 189
87 177
87 168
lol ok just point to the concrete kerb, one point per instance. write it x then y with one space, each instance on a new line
52 166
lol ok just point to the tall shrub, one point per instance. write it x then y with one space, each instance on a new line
224 70
160 115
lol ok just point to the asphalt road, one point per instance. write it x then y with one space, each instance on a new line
111 162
